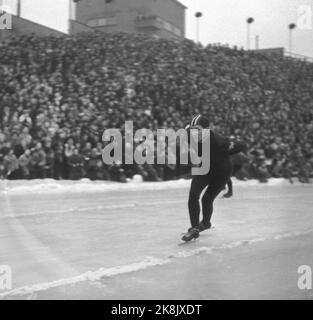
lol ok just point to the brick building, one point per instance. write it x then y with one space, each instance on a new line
159 18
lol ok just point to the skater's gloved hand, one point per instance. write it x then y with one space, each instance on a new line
235 147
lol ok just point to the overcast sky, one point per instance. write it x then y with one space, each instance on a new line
223 20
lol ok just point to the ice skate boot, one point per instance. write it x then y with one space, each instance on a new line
193 233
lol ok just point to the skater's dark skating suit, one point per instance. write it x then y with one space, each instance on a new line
221 168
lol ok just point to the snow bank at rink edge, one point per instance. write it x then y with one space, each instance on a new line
49 186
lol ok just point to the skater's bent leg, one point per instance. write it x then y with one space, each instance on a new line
215 187
198 183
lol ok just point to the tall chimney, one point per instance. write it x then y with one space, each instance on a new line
18 8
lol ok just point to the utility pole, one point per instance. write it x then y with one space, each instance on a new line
18 11
291 27
198 15
249 22
257 42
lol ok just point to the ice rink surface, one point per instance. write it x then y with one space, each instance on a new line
89 240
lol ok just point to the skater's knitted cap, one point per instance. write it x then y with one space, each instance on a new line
200 120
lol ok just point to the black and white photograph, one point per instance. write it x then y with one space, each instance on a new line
156 150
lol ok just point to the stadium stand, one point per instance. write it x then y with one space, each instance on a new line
58 94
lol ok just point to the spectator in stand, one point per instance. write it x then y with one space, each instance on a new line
76 165
2 168
10 164
59 162
23 163
50 163
117 172
37 162
92 167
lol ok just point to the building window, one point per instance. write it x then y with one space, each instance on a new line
167 26
177 32
171 28
92 23
102 22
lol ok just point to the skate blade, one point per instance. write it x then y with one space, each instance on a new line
184 243
183 233
190 238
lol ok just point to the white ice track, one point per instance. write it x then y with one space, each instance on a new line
63 237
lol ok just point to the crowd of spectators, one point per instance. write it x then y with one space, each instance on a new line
58 95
